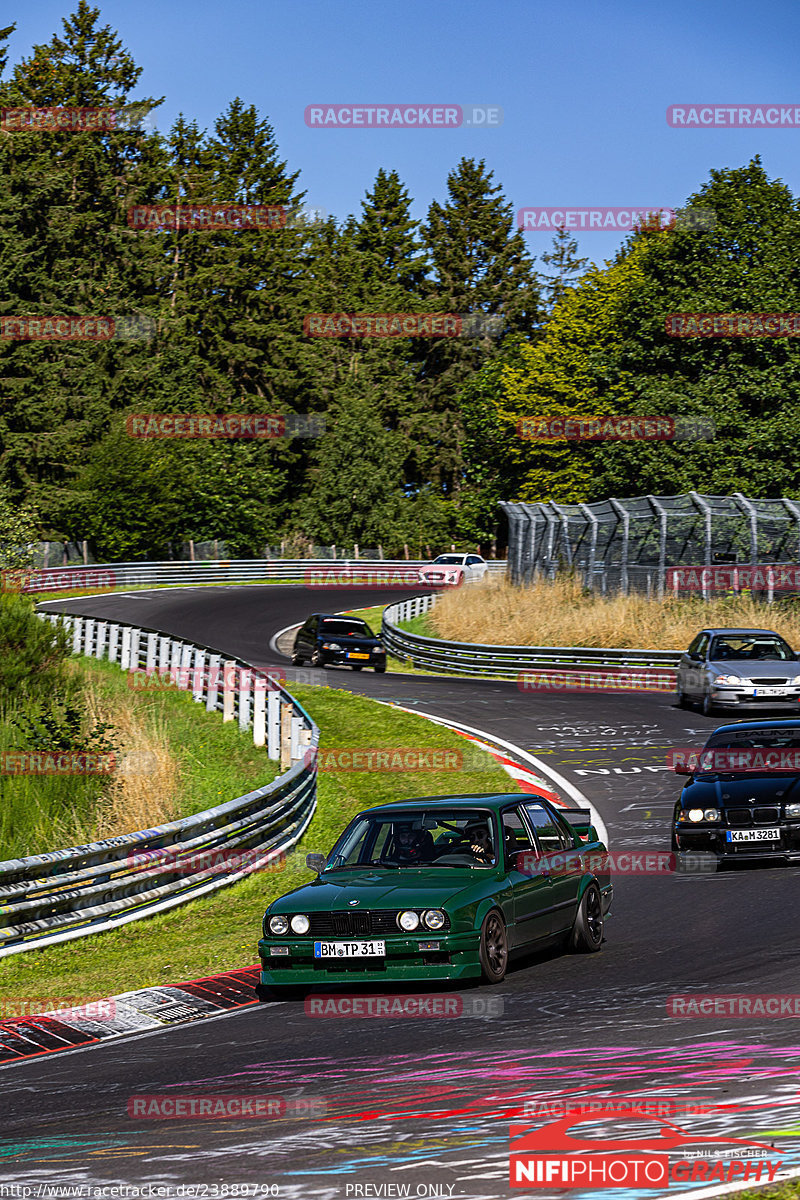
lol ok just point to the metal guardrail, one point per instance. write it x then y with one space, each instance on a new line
471 658
312 572
82 890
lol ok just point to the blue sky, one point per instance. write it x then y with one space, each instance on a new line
583 85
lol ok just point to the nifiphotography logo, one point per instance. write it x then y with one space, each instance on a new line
549 1156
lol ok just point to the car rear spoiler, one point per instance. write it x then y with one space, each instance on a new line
581 821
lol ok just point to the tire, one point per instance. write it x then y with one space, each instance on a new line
357 668
493 950
682 698
316 659
708 707
380 670
587 932
297 660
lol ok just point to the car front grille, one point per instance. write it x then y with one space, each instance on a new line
753 816
360 923
772 682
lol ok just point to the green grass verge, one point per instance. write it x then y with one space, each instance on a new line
783 1191
221 932
215 762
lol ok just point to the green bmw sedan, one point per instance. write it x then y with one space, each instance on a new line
439 888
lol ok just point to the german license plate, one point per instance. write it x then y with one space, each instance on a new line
768 691
349 949
352 654
753 835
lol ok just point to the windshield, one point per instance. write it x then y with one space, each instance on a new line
437 838
336 628
455 560
755 647
760 751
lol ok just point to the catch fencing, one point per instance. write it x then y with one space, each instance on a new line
505 662
75 892
630 545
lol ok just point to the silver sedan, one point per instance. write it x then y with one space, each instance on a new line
738 668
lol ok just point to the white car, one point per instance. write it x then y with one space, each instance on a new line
453 569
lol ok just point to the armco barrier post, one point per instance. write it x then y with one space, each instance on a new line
113 642
186 666
88 633
198 675
212 693
286 737
125 657
244 699
163 654
175 652
228 690
100 643
259 717
135 638
76 634
150 659
297 750
274 725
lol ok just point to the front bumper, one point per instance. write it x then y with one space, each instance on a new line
747 696
457 958
711 838
338 658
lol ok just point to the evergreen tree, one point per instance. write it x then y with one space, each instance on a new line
480 266
567 265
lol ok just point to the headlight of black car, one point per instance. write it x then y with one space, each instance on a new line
793 810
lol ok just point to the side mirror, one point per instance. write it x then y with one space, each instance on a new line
315 862
695 657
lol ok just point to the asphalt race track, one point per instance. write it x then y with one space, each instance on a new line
422 1107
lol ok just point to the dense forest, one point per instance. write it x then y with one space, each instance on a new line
420 433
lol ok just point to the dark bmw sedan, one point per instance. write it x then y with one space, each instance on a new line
326 639
742 798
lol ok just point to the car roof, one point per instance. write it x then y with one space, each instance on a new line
730 629
493 800
338 616
788 723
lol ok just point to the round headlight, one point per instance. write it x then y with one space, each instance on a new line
408 921
279 925
711 814
434 918
695 814
793 810
300 923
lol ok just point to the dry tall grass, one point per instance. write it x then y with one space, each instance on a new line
144 790
561 614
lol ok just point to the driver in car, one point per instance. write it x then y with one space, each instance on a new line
480 841
411 845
